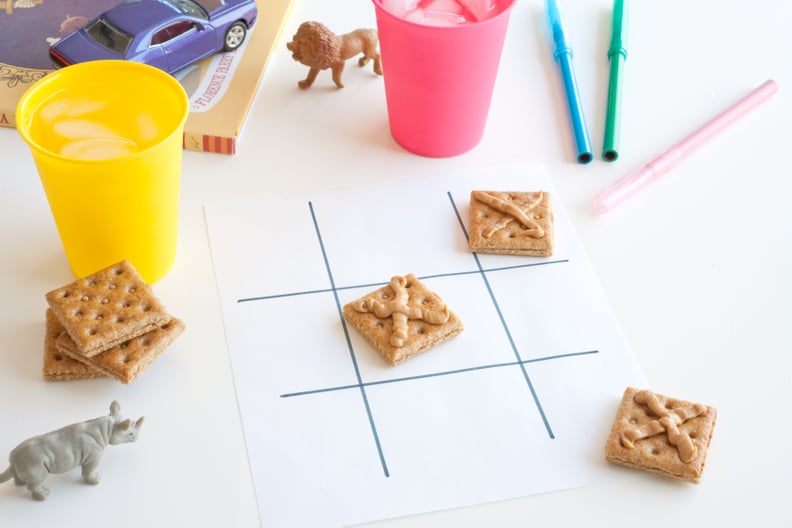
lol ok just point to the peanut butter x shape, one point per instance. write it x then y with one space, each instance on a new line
511 223
402 319
663 435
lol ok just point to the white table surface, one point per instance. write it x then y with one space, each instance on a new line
696 267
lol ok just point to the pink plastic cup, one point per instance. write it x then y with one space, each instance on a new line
439 79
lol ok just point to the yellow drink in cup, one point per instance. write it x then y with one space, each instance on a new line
106 137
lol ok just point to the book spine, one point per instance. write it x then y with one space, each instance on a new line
207 143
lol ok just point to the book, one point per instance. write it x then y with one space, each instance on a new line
221 88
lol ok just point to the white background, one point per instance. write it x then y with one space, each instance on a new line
696 267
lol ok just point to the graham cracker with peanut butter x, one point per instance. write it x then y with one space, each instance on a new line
402 319
662 435
107 308
511 223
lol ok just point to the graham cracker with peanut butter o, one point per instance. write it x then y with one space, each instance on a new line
662 435
402 319
127 360
107 308
57 366
511 223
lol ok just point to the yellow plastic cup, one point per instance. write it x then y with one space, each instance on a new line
106 138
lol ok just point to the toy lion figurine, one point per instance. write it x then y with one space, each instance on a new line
319 48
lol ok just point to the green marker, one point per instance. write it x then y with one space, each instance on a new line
617 54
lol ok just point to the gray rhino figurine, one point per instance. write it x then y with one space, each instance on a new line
80 444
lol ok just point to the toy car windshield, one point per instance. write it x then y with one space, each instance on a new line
109 36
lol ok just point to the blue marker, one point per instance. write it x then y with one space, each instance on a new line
563 55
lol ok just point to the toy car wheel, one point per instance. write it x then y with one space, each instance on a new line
235 36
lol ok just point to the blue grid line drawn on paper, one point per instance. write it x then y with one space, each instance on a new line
351 349
503 323
437 374
361 385
378 284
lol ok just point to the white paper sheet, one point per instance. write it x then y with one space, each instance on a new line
519 403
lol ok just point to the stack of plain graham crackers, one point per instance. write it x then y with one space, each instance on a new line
107 324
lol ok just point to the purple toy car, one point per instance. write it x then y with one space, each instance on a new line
167 34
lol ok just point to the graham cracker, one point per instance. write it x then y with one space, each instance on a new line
511 223
126 361
663 435
57 366
402 319
107 308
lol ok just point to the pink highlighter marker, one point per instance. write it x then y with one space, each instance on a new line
636 180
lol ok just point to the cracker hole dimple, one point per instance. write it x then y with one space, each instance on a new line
118 319
78 312
85 298
131 289
58 357
126 359
124 344
379 323
91 331
112 286
145 307
105 300
118 271
124 304
655 451
633 420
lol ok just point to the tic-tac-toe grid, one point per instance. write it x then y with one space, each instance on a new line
501 410
481 274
